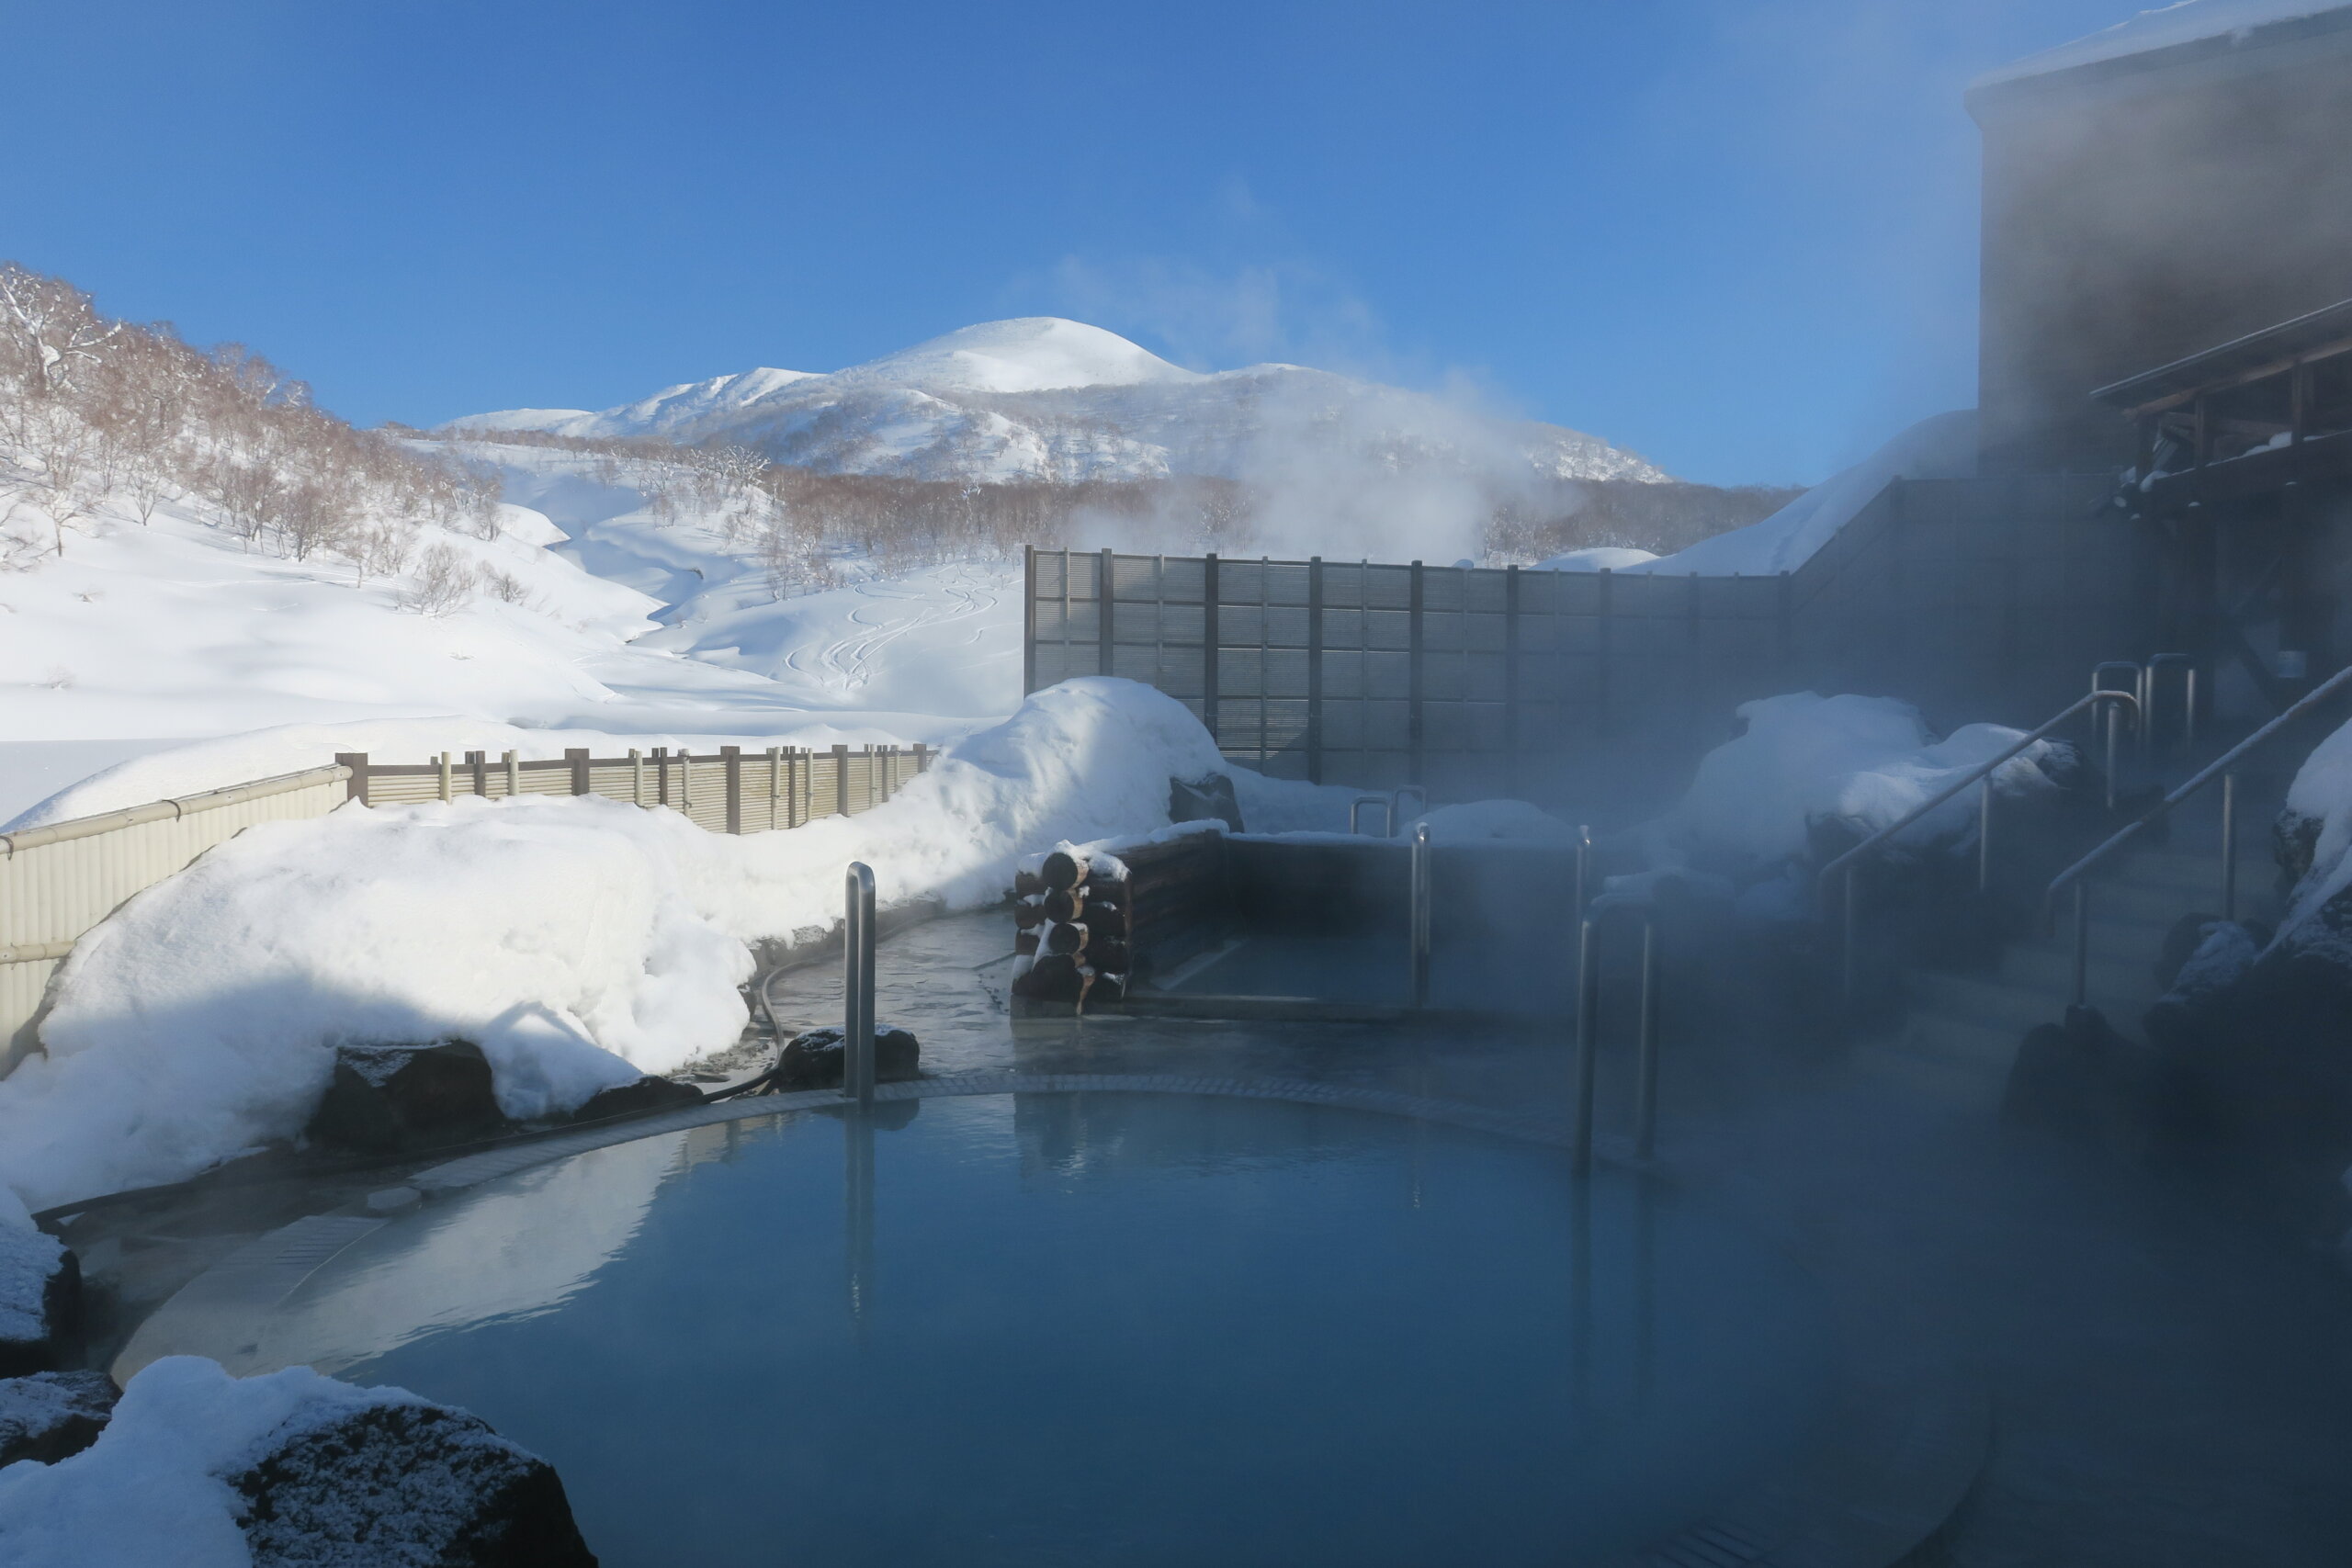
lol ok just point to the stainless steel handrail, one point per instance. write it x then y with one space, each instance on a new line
1589 1031
2224 768
2187 665
1851 861
1387 804
1396 806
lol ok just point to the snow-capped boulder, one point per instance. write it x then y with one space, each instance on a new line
388 1099
48 1417
814 1058
200 1470
40 1293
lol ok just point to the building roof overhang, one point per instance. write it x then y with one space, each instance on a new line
2274 349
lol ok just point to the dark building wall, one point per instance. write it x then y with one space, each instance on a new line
2140 210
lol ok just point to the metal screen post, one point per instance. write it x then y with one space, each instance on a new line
514 760
1421 915
445 776
1984 835
2082 942
1846 971
1587 1045
1584 871
731 762
1646 1083
1028 619
2230 846
857 985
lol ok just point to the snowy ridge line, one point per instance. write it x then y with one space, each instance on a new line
171 810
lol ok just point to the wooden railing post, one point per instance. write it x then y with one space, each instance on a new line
354 788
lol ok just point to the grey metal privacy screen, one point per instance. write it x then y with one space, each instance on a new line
1380 674
1976 599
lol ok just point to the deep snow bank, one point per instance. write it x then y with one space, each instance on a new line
1942 448
578 941
1862 761
2319 813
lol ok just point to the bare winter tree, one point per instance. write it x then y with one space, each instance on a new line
444 580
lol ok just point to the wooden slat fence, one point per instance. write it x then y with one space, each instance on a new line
727 791
59 880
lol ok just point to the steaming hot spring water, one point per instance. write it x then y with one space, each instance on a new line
1143 1328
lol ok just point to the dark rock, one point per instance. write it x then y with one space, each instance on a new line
1207 799
813 1059
40 1302
52 1415
629 1099
406 1484
2080 1078
395 1099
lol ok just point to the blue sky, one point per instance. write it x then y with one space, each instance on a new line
1737 235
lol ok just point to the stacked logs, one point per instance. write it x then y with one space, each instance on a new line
1088 929
1071 921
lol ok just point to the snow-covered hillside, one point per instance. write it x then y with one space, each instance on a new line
168 657
1041 397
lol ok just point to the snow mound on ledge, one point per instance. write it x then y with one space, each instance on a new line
154 1488
580 941
1597 558
1489 822
1866 761
2188 21
1942 448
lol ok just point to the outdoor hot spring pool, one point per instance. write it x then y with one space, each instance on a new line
1089 1329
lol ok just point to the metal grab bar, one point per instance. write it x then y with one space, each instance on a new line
1589 1032
2187 665
1388 811
1396 806
1421 914
1851 861
2224 768
857 986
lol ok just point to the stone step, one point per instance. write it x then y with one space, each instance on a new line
2049 968
2195 873
2011 1007
2130 942
1970 1086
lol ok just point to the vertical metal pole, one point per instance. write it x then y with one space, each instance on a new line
776 782
514 760
1265 655
1985 834
2188 717
2229 845
858 987
1105 635
1028 619
1584 870
1645 1085
1587 1045
445 776
1415 737
2114 724
636 777
2082 942
1421 913
1315 670
1846 940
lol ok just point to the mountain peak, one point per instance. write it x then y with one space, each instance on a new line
1027 354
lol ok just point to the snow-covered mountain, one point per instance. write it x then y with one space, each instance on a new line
1045 398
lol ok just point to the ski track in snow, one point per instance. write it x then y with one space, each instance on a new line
845 666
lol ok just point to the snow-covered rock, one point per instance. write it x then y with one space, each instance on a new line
1041 397
39 1292
197 1470
1861 762
49 1415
